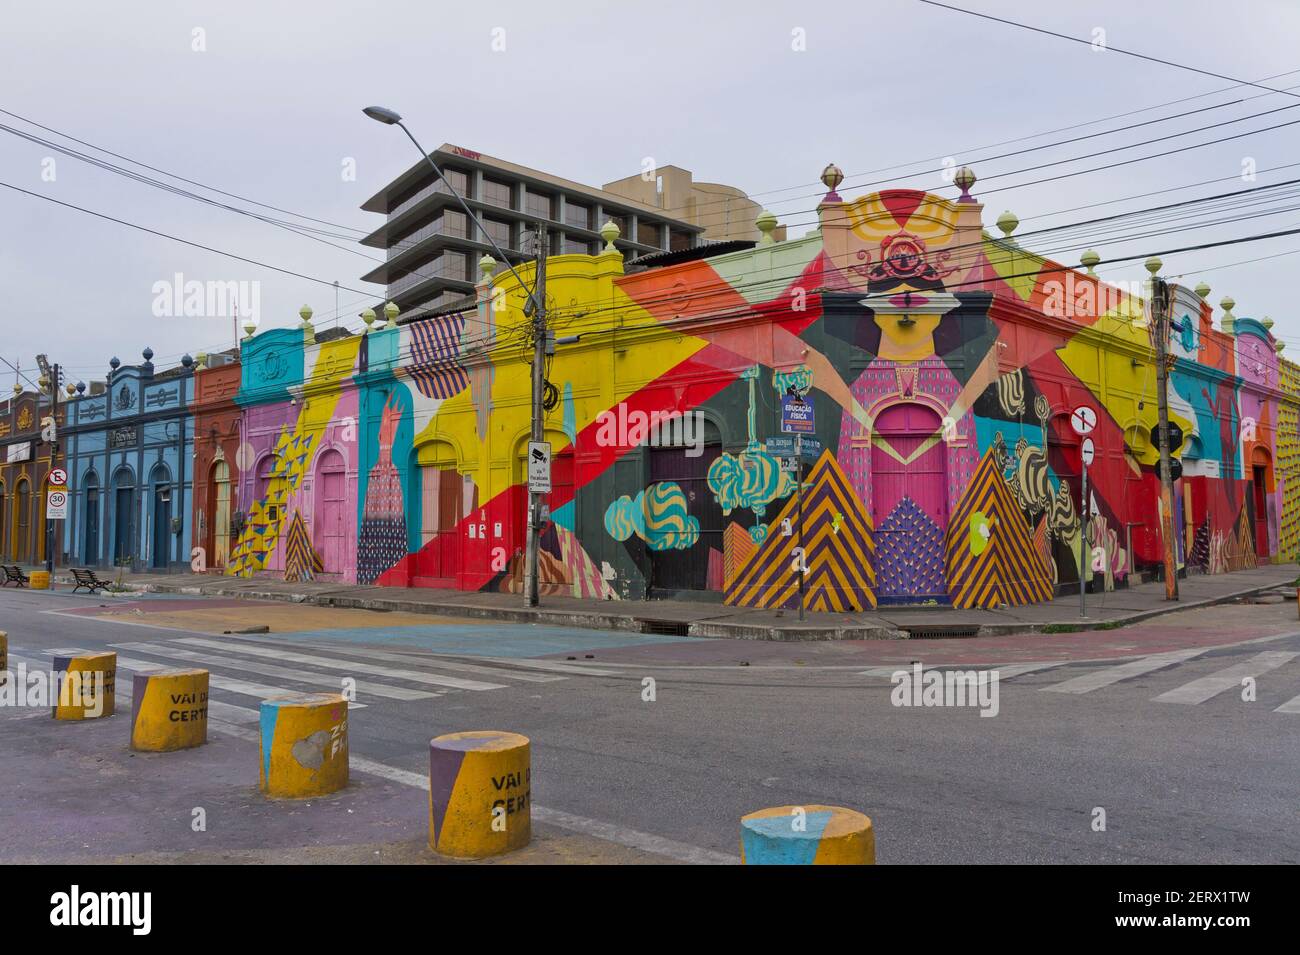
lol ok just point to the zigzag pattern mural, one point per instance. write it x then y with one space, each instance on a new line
837 533
1003 566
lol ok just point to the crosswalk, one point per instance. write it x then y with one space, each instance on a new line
239 667
1265 668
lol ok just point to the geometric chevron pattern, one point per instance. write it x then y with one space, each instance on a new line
301 561
838 544
1009 569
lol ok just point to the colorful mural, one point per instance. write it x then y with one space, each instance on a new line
941 364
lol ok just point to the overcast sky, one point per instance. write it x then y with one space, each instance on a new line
269 109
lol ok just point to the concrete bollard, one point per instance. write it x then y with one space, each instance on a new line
39 580
87 686
479 793
304 745
169 710
807 835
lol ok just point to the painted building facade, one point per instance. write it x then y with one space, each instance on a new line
25 462
130 465
942 365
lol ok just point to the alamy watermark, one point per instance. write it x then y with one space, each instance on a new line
179 298
920 687
623 427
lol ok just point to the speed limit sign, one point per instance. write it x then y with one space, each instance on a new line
56 506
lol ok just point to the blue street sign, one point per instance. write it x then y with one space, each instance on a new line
780 447
797 415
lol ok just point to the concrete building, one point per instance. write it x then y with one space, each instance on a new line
724 212
433 249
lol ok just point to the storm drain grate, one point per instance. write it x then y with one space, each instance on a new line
940 632
665 628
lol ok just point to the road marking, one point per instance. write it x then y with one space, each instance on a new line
434 659
1105 676
1290 706
1198 691
122 695
242 687
354 666
266 669
552 665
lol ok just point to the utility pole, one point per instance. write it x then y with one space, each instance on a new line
538 306
1160 319
54 448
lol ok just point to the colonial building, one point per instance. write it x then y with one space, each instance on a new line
130 457
25 462
950 385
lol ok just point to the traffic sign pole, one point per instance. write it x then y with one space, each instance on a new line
803 558
1083 543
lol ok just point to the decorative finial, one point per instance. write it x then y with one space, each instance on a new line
114 363
368 316
391 311
201 361
1202 289
1228 322
250 326
186 361
487 267
1278 346
964 179
44 382
766 222
1089 261
81 387
609 232
832 176
18 389
1153 265
306 314
1267 322
147 353
70 389
1007 222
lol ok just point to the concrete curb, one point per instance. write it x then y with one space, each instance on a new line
627 622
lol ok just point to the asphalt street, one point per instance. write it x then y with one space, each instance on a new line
1144 728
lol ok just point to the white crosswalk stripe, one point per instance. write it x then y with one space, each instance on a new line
350 666
440 663
267 669
553 666
215 681
1105 676
1290 706
1198 691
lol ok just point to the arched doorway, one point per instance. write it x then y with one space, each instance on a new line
1260 476
90 541
909 503
442 505
217 537
123 517
161 517
329 525
22 522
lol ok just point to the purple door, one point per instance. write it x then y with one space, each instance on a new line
329 531
909 503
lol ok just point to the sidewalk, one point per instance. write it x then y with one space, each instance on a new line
708 619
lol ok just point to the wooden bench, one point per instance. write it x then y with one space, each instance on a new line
85 577
13 575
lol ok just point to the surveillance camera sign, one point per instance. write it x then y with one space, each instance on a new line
539 467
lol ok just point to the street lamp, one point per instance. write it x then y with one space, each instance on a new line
388 117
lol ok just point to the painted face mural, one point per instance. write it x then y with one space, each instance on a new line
935 368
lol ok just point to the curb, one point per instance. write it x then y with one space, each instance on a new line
643 623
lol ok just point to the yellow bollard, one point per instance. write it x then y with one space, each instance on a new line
807 835
39 580
304 745
169 710
87 686
479 793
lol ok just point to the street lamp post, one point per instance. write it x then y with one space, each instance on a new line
535 309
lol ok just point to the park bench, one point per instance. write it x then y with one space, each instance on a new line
13 575
85 577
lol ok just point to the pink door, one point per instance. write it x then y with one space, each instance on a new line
909 503
331 481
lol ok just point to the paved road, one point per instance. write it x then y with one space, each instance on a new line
1146 723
